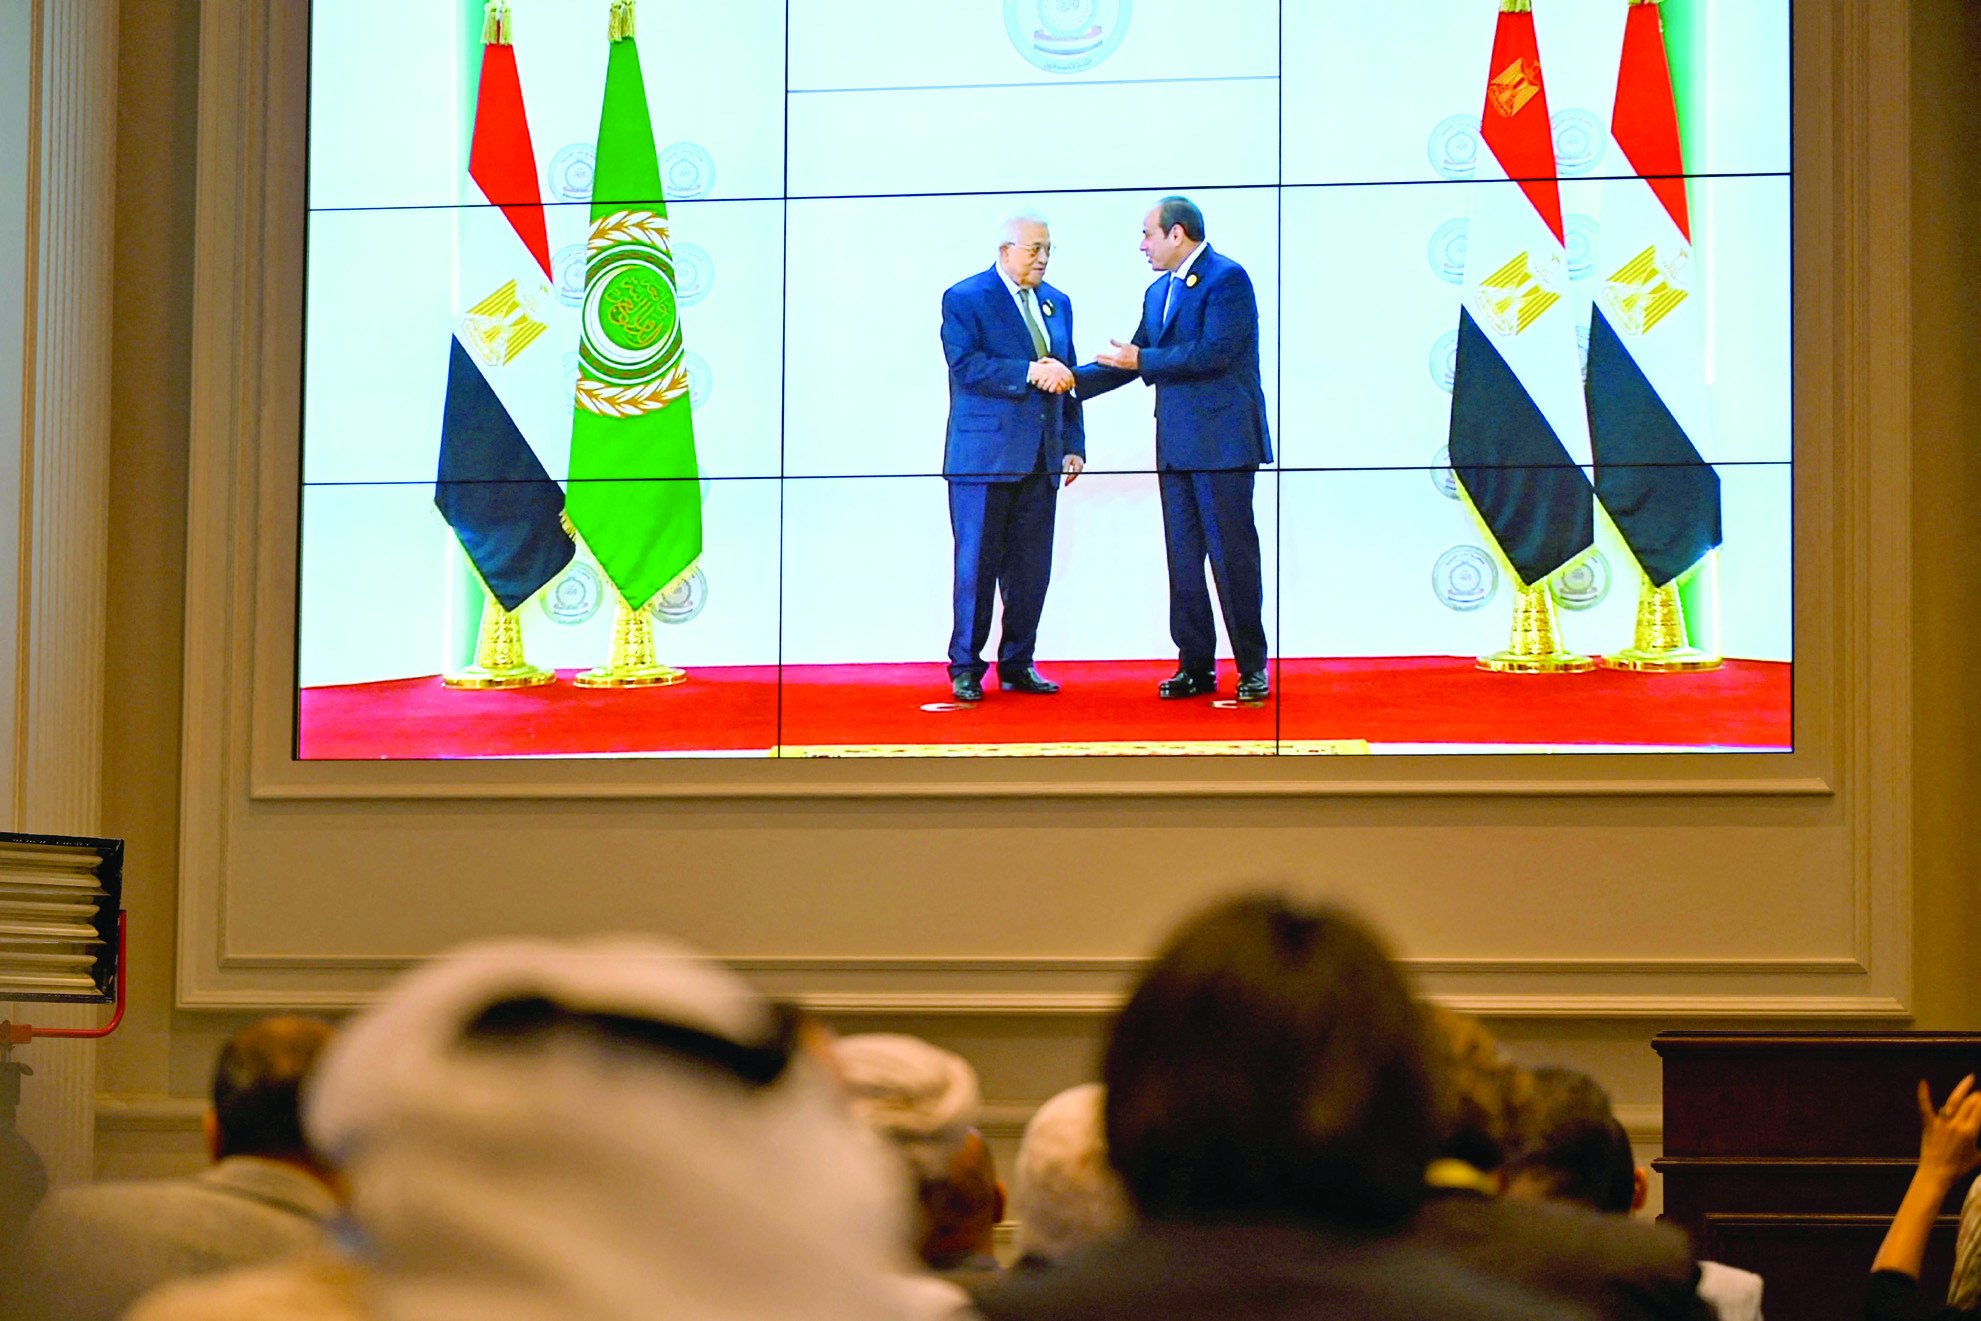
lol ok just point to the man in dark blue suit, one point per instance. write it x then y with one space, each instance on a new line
1014 431
1198 345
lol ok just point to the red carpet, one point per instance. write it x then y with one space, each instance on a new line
1414 700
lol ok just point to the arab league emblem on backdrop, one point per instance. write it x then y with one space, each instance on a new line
1464 578
1066 36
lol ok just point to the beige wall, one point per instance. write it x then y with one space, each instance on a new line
149 1073
1946 641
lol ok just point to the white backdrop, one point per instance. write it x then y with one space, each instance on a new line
1319 141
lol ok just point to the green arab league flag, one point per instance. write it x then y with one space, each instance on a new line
635 491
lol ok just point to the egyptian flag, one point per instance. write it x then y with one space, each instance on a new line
1649 419
492 488
1519 433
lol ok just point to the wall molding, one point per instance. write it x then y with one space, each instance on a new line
1593 776
1118 966
1096 987
1001 1121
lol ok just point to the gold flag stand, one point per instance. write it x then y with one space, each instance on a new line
1534 647
631 663
1661 645
499 660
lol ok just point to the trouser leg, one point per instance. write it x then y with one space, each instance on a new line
1231 538
976 520
1191 625
1026 570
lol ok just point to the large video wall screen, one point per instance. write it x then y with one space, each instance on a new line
790 378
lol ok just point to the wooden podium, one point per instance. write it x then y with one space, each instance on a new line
1786 1153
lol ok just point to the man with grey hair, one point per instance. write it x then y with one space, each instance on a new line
925 1102
1064 1194
1014 432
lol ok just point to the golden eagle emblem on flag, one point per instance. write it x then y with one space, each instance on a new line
1644 290
1514 296
502 325
1513 87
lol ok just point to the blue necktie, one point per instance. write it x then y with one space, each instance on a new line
1169 299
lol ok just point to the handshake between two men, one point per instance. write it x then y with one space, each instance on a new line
1050 375
1055 377
1006 450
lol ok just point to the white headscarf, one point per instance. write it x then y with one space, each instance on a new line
1064 1193
920 1097
574 1179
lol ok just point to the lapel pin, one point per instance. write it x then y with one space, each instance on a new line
1191 281
1046 307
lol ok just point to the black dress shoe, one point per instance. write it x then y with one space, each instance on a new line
1255 687
1031 681
967 688
1185 684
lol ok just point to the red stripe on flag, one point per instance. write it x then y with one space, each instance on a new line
1515 121
501 160
1646 122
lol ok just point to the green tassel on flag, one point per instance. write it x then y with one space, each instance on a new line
496 24
635 490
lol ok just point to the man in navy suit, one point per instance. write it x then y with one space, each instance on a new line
1014 431
1198 345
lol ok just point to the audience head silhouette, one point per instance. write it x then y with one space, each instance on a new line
1574 1149
612 1128
1065 1195
1482 1091
257 1090
1270 1066
92 1250
925 1101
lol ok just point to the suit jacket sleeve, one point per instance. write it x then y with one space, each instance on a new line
1074 425
972 366
1231 326
1097 379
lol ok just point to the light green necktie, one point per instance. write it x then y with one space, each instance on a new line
1032 322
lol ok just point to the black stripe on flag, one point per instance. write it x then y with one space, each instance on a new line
1663 497
1534 498
495 493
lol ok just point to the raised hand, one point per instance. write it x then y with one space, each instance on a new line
1947 1134
1125 356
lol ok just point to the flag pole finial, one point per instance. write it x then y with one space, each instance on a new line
496 24
622 19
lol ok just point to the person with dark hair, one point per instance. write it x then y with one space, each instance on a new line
1574 1151
257 1093
1614 1267
92 1251
1269 1110
1198 345
1573 1148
